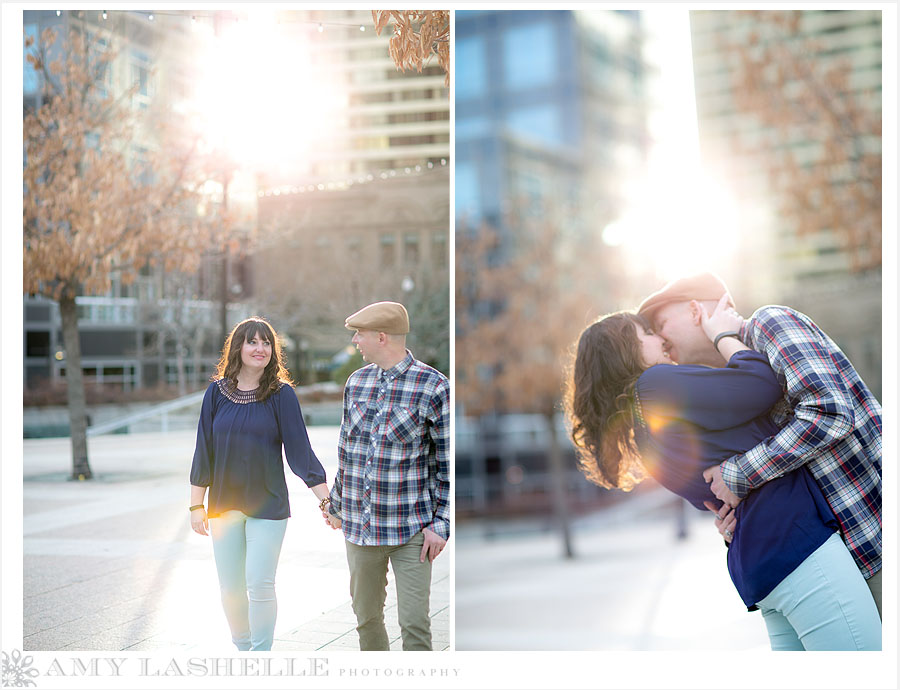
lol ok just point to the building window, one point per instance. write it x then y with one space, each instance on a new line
468 191
529 56
388 253
322 248
364 143
191 375
118 376
439 250
37 344
410 249
354 250
540 122
140 75
470 64
472 127
98 46
418 140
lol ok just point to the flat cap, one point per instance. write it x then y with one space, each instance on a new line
386 317
702 286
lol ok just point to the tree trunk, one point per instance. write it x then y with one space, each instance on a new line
179 312
81 470
560 500
180 363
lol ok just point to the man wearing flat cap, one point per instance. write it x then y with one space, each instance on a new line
392 488
831 422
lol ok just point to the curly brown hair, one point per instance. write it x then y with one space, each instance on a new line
274 375
599 400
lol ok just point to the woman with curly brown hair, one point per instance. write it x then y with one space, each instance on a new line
634 412
249 413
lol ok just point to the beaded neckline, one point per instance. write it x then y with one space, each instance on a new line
638 409
234 394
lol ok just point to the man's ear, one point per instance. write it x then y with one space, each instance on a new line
695 312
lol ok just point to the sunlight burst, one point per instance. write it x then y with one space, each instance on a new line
260 98
678 219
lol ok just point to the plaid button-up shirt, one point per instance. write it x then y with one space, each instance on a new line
834 428
393 475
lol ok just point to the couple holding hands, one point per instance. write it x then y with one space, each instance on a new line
390 496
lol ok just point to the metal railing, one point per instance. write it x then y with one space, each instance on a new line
162 409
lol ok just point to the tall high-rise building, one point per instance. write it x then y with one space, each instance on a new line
826 265
381 118
550 112
551 118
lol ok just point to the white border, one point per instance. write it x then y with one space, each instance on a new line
465 669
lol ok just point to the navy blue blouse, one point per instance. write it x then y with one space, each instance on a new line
238 452
692 417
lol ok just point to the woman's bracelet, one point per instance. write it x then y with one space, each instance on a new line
324 502
725 334
196 507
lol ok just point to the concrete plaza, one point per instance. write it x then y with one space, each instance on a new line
631 586
112 564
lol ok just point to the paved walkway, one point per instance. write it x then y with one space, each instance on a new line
112 564
631 586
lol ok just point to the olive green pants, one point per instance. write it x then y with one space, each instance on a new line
874 583
368 590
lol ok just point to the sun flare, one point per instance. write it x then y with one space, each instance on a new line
677 218
260 98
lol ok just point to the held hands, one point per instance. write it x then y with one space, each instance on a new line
200 521
725 520
724 317
432 547
713 477
331 520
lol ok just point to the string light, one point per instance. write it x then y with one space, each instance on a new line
287 190
104 14
320 26
58 12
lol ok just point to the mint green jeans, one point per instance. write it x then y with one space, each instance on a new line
823 605
246 551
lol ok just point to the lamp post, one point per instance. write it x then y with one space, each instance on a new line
223 281
227 170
